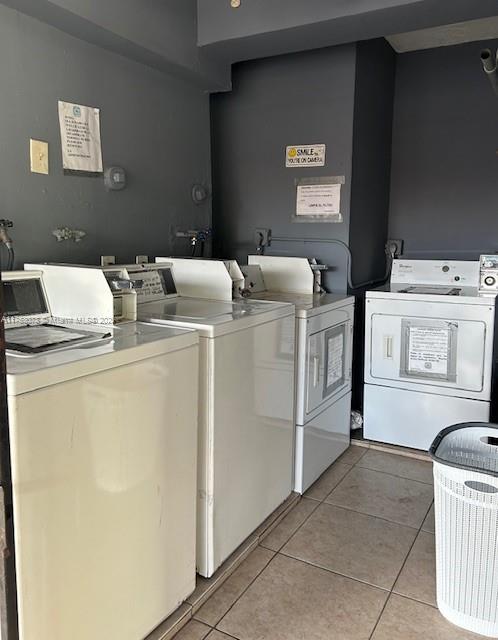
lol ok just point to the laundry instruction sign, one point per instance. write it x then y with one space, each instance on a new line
80 138
307 155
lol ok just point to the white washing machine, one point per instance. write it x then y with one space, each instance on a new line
324 341
103 432
428 352
246 434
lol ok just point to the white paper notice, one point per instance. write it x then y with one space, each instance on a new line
318 199
335 359
80 137
428 350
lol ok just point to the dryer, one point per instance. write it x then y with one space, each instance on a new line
323 362
428 352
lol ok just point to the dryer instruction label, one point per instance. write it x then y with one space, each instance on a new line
428 350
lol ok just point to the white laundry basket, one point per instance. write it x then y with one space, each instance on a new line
466 510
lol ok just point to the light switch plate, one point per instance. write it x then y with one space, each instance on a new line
39 156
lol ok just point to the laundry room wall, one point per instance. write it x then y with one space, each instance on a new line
340 96
444 195
372 140
154 125
305 98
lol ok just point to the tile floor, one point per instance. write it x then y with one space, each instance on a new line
353 560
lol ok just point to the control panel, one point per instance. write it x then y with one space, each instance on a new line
152 282
124 296
488 279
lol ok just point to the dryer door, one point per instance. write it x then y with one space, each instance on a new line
327 366
438 345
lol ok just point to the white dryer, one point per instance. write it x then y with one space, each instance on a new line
246 434
103 433
324 340
428 352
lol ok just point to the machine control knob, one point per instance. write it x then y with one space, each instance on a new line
446 268
489 281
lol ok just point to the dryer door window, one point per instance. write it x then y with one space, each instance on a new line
326 364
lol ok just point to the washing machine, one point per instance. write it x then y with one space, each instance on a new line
103 436
246 399
428 352
323 362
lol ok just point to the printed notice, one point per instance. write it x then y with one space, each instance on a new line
308 155
319 200
335 352
428 350
80 138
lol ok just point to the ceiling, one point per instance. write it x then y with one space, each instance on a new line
447 35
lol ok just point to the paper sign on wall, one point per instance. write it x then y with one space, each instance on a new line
319 200
307 155
80 138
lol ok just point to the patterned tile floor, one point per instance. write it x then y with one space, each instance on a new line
353 560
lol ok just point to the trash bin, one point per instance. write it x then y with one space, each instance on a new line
466 513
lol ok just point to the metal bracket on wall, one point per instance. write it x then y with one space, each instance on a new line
66 233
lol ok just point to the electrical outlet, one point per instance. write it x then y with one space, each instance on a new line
262 237
141 259
396 246
107 261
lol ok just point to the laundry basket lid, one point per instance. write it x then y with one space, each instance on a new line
470 445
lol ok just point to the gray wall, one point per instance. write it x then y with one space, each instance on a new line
159 33
155 126
373 112
297 99
444 189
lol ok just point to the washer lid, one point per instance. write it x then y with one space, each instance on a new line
130 342
213 317
470 445
31 340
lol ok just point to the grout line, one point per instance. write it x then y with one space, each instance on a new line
393 475
262 535
296 530
427 604
335 485
335 572
340 482
399 573
363 513
246 588
338 460
223 632
275 554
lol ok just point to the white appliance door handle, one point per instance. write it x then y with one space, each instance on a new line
316 370
388 347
